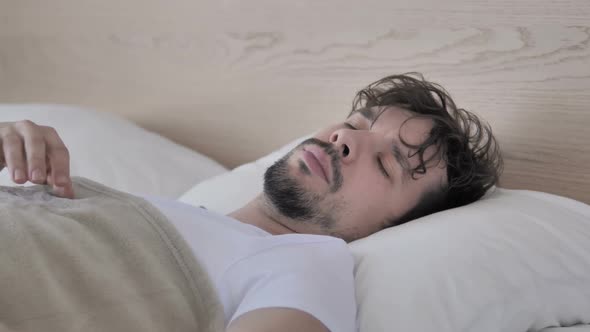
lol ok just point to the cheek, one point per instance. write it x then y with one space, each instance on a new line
368 200
369 186
365 180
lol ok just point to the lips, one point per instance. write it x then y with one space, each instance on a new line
317 161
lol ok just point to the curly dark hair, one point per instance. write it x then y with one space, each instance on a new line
463 141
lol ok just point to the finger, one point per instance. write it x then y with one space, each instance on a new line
49 177
34 143
59 158
14 157
66 191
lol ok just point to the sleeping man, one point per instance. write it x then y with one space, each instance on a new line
280 263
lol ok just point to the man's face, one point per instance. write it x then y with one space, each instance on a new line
352 178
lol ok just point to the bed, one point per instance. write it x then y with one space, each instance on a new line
220 89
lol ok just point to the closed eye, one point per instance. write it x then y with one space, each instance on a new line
382 168
349 126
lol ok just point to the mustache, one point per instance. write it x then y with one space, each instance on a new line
334 160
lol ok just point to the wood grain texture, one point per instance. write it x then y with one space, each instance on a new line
236 79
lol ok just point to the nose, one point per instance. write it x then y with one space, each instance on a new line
346 143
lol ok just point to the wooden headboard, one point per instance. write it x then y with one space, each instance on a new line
235 79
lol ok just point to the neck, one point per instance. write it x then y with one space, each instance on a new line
259 213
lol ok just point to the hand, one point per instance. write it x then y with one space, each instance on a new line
37 154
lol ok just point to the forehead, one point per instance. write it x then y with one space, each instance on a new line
399 121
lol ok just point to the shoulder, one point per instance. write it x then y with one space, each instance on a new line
312 276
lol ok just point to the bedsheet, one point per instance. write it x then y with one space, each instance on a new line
74 265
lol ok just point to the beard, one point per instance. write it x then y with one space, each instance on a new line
291 199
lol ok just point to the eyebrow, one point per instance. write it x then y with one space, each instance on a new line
367 113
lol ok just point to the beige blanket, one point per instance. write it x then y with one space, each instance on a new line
104 261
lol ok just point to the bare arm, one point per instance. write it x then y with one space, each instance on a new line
276 319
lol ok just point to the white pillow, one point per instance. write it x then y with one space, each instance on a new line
514 261
116 152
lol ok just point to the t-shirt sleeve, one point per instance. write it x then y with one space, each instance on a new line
316 278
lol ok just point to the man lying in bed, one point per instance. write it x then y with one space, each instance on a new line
280 263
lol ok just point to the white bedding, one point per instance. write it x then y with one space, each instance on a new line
116 152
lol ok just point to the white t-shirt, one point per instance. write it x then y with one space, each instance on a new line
252 269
